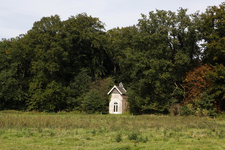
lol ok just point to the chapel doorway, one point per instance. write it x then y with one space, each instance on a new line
115 108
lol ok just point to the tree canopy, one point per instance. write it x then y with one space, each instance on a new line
167 58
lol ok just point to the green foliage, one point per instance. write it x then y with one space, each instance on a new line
122 148
92 102
93 132
103 86
217 79
119 41
46 89
85 44
187 109
202 106
43 69
161 52
212 29
133 136
12 95
118 137
76 90
206 104
71 65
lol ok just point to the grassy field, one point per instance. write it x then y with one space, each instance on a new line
71 131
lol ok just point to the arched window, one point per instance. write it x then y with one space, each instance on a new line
115 107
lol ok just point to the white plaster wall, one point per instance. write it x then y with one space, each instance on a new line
116 98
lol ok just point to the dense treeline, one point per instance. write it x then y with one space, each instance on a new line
169 62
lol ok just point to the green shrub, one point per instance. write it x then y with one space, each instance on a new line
118 137
187 109
221 134
51 133
205 112
198 112
145 140
92 102
142 139
202 106
123 148
207 104
93 132
76 90
133 136
40 130
2 132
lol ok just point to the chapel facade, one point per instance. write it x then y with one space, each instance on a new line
118 99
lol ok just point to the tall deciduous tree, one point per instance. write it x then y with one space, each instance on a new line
13 75
213 32
164 49
86 44
8 82
77 90
119 40
47 92
61 51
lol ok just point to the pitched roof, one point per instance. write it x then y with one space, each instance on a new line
121 90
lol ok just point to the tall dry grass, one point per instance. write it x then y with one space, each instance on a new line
108 122
80 131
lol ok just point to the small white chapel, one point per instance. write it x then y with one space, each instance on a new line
118 99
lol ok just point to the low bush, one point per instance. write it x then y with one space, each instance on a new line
133 136
118 137
187 109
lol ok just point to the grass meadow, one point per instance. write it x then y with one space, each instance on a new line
29 130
